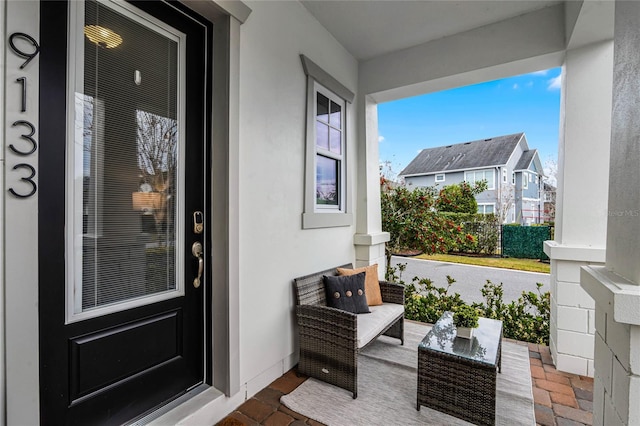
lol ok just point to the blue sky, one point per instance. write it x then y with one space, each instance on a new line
528 103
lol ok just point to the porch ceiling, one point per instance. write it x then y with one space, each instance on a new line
372 28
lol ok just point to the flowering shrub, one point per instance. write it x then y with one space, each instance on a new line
413 223
460 197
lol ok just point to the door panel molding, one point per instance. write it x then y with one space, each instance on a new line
138 346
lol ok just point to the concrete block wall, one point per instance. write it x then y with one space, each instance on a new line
572 319
617 367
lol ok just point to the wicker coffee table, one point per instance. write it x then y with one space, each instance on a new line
458 376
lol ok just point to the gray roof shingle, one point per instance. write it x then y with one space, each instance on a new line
525 159
468 155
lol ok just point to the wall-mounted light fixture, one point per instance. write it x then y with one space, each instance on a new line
103 37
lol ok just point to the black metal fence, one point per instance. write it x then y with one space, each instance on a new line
525 242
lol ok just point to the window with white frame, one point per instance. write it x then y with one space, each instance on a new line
513 178
329 146
479 175
525 180
440 177
530 177
536 179
326 202
486 208
505 176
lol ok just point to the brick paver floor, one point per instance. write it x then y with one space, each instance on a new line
561 399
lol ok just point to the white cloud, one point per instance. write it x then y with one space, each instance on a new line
529 84
515 86
380 138
555 83
541 72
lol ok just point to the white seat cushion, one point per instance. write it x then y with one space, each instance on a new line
370 325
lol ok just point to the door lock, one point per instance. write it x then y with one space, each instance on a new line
198 222
196 249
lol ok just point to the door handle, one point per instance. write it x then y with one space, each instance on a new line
196 249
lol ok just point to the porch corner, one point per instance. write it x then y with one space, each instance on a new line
370 249
617 346
573 319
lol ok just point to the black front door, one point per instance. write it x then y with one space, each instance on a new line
123 133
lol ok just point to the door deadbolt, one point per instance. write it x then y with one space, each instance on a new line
198 222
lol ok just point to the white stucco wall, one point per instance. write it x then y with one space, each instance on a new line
581 224
616 286
274 248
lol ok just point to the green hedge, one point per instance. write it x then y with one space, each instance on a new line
526 319
525 242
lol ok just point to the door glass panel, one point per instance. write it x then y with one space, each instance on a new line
126 173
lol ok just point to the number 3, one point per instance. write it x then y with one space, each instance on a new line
28 179
29 137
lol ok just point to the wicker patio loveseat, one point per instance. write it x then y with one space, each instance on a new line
330 339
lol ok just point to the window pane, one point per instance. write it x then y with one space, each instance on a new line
322 135
335 140
327 181
128 134
336 115
488 208
322 107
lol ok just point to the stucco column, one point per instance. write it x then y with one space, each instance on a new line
369 238
616 286
581 220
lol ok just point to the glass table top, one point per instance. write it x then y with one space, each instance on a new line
482 347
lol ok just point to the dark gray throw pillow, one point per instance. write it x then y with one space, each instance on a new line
346 292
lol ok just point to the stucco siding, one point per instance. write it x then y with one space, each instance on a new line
274 248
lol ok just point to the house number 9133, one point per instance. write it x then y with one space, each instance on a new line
26 47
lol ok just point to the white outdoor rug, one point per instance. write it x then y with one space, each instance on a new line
387 386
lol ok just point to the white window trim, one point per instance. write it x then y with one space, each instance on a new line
312 217
493 205
505 175
525 180
491 184
439 180
513 178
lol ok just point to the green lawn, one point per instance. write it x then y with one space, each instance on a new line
530 265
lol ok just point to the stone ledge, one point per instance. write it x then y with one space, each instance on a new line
371 239
617 295
576 253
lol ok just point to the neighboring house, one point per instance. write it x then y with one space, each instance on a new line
513 173
549 202
270 163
